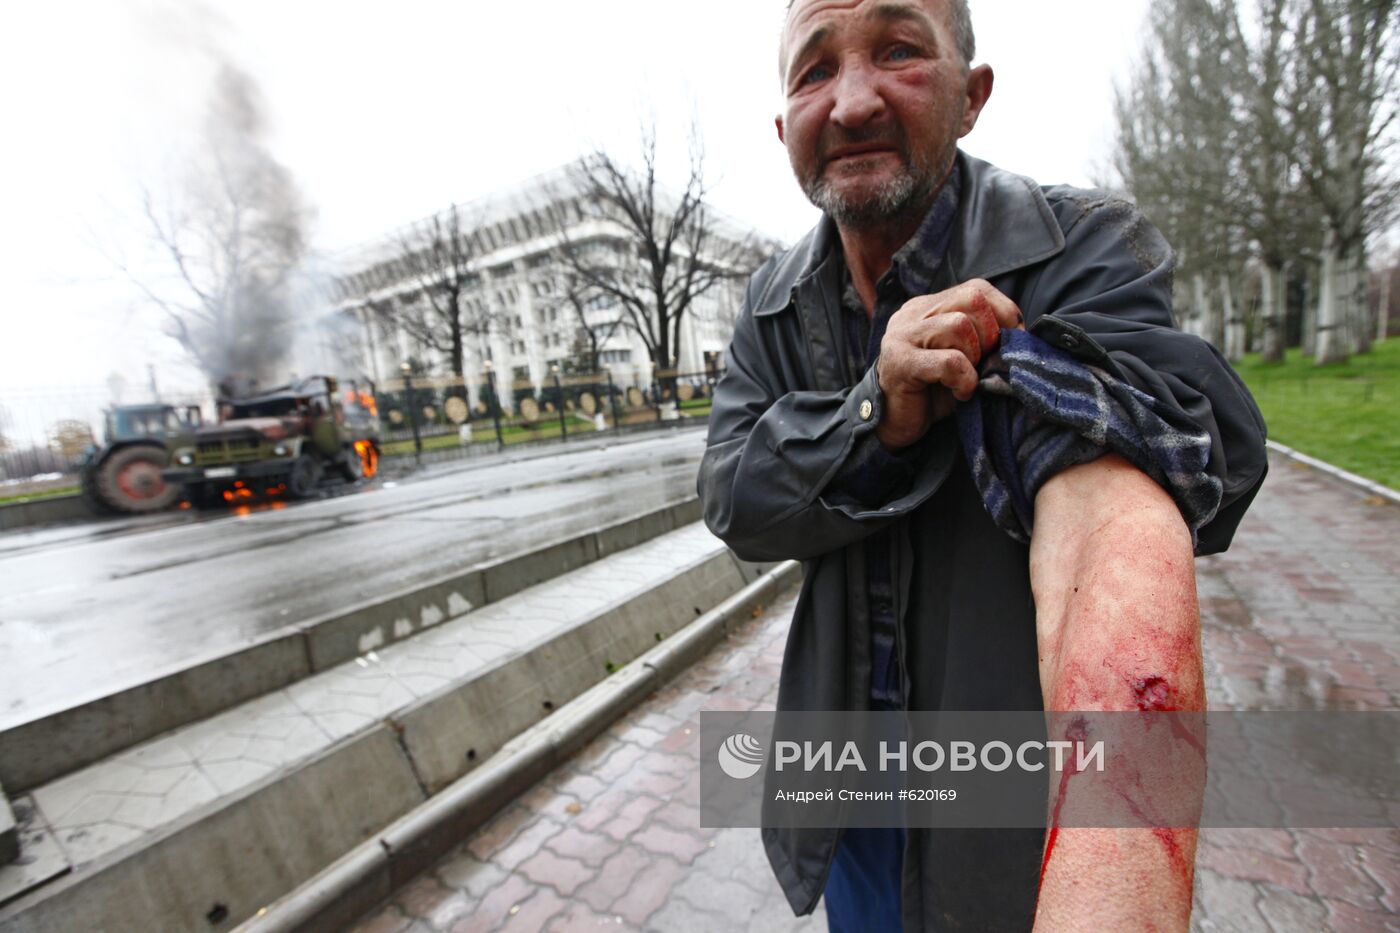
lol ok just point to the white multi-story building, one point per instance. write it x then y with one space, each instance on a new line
517 308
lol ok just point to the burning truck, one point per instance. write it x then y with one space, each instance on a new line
290 440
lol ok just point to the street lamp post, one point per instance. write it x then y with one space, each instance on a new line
559 400
412 412
495 405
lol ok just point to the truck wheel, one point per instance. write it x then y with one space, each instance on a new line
304 478
129 480
350 465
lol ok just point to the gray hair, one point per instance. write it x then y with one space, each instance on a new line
960 18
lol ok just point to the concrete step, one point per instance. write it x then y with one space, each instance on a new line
9 832
57 741
198 829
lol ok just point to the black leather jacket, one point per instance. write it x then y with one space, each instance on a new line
1093 277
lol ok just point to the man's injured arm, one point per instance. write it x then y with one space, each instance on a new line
1118 628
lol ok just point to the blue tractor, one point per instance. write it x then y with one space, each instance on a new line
123 475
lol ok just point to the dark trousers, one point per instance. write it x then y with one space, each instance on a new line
862 891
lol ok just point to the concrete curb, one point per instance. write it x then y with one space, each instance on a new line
59 742
9 831
1360 482
364 877
34 512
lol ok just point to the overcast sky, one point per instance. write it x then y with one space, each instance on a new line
386 113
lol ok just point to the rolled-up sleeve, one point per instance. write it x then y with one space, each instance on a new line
1107 302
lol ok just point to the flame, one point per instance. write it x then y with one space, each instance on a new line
369 457
365 400
239 493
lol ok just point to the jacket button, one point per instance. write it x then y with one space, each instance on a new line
866 410
1069 342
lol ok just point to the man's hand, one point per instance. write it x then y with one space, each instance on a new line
930 353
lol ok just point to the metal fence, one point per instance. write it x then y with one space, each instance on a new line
435 417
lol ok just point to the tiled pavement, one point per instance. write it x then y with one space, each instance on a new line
1301 614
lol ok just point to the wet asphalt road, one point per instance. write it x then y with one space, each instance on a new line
88 610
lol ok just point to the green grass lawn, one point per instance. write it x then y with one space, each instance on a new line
44 494
1347 414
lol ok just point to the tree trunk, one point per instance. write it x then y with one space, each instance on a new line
1233 320
1211 321
458 354
1331 323
1360 301
1272 297
1383 306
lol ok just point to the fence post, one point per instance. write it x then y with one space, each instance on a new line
612 401
407 371
559 401
655 388
495 405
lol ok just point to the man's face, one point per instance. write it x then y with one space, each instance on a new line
877 98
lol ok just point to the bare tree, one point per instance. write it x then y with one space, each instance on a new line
443 314
1261 149
596 321
1270 199
1178 152
651 251
232 237
1345 105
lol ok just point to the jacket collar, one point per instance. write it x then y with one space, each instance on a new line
1003 224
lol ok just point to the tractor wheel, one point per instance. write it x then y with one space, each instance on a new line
129 480
304 478
87 476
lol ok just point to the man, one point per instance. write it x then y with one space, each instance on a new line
960 401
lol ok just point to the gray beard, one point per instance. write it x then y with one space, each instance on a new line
901 198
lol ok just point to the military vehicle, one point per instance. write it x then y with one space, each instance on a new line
124 474
290 441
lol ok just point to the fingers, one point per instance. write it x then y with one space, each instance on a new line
952 331
949 368
1003 309
938 340
986 310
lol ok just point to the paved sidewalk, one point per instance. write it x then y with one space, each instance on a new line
611 842
1301 614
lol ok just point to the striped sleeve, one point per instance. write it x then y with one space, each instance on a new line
1039 410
